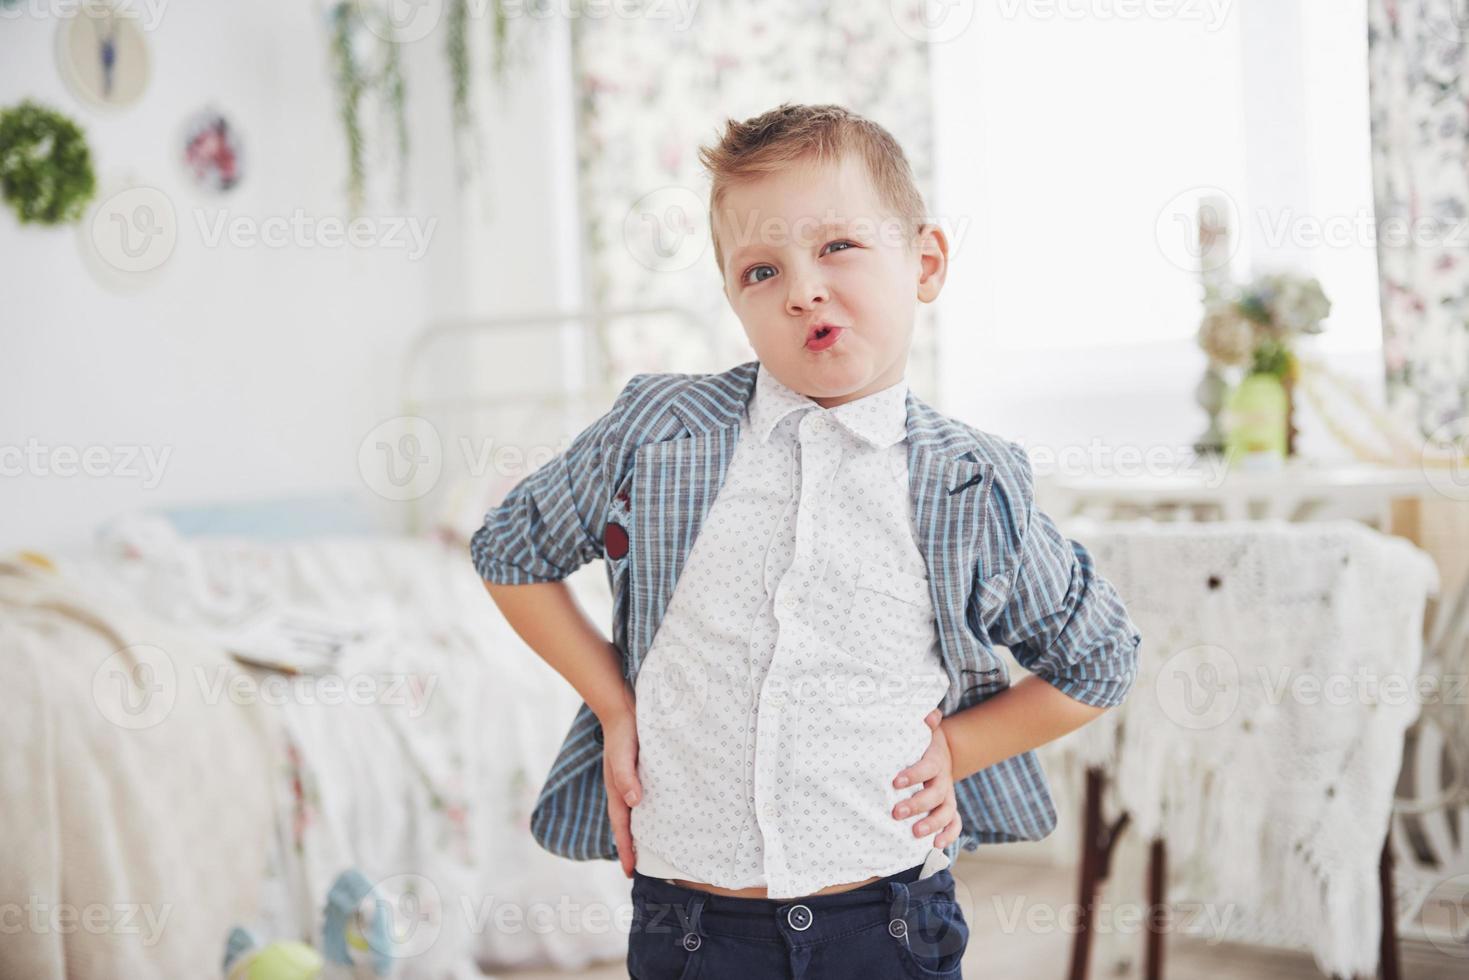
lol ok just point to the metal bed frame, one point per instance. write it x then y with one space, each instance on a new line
422 394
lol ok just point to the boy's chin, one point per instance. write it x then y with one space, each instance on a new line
823 376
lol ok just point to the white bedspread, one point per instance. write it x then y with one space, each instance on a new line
419 769
133 813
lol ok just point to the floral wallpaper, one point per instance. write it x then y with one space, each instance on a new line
655 86
1418 55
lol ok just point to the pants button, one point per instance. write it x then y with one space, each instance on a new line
799 917
691 941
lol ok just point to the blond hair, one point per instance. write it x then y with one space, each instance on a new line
773 140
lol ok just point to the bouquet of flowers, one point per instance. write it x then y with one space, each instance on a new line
1257 325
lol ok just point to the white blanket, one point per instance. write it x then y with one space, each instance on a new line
421 768
134 814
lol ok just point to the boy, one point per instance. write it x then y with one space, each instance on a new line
801 714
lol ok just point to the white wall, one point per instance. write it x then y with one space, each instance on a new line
258 369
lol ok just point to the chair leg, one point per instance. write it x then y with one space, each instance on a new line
1388 965
1096 859
1157 930
1086 890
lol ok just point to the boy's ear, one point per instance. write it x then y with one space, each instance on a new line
933 261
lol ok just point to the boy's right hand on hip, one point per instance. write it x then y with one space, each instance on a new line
624 791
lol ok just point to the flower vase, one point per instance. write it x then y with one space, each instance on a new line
1288 383
1209 393
1258 421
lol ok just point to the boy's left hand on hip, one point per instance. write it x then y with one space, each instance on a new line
936 798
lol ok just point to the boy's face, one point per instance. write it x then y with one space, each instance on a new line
813 245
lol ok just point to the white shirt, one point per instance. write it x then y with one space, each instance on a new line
791 673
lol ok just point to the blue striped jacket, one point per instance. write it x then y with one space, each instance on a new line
999 573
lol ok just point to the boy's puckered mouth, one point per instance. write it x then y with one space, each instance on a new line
821 335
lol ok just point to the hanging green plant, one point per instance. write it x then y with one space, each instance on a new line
45 165
467 142
356 79
500 22
456 49
366 61
396 94
350 86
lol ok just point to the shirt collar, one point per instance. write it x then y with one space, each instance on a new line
879 419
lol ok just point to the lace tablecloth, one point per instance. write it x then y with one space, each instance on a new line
1262 741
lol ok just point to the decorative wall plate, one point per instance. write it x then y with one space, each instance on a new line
212 154
102 54
128 235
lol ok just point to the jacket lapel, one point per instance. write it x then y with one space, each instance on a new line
949 488
674 482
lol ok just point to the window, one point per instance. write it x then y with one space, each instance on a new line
1072 136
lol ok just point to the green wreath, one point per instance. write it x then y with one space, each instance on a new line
45 165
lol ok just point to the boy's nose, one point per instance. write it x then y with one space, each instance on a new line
805 295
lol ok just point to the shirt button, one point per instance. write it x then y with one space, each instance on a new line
789 601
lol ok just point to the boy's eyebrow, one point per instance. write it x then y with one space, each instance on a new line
784 236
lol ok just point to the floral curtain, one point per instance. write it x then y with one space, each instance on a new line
655 86
1418 56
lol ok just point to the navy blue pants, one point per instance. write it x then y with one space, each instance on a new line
897 926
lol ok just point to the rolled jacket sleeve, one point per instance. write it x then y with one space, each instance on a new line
551 523
1062 620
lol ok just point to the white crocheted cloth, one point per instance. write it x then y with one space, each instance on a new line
1263 738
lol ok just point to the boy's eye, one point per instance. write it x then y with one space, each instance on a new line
750 277
753 274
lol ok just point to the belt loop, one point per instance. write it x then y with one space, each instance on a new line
693 938
696 908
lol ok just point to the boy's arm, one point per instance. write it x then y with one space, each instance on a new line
551 622
549 525
1062 622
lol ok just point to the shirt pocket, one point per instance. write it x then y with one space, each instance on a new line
891 619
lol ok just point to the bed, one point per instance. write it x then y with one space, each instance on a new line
174 774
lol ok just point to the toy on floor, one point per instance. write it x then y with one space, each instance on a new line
355 939
348 937
246 959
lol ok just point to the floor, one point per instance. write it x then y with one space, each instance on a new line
1018 930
